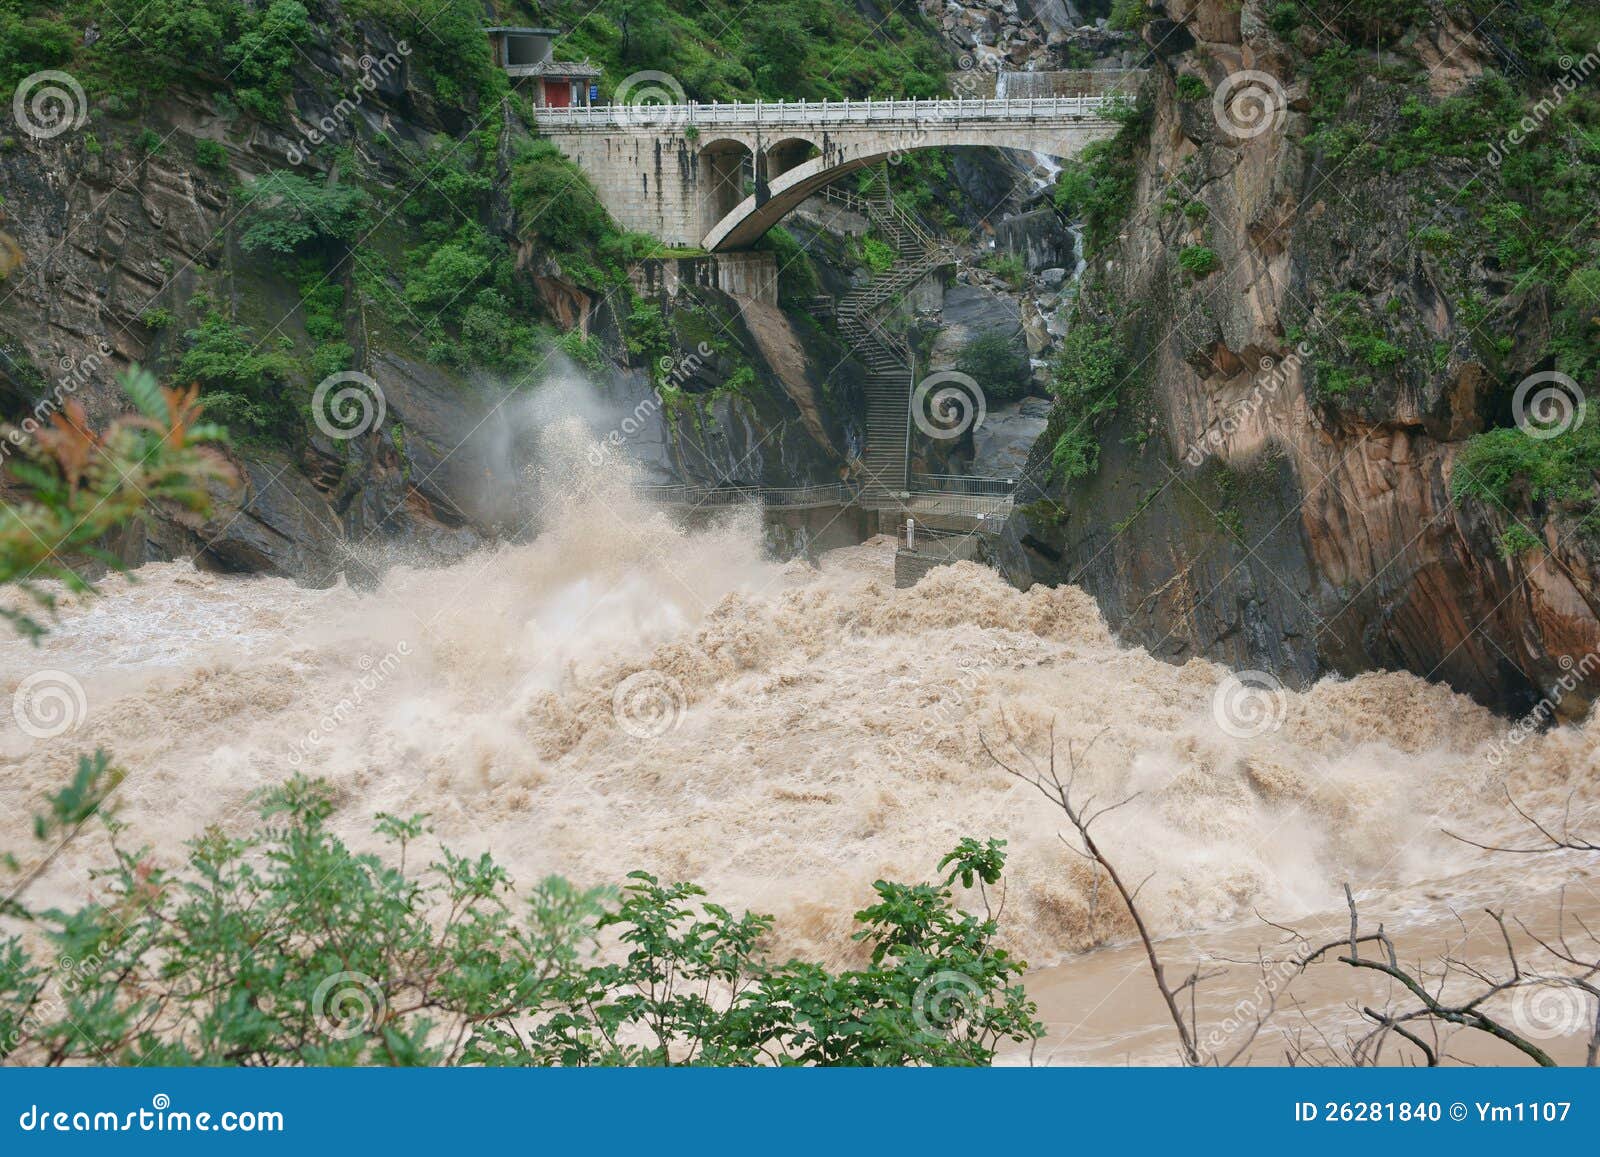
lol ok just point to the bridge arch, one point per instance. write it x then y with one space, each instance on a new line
727 169
785 155
745 223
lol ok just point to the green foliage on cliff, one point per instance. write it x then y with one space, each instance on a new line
556 205
450 965
998 362
732 50
1199 260
797 274
1505 466
285 212
244 380
1097 186
1086 379
1505 167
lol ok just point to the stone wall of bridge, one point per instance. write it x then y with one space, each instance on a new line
718 177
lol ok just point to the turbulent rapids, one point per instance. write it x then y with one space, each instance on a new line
622 693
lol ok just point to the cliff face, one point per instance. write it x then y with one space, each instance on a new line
1312 336
122 236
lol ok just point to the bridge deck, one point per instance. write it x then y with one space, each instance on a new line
823 113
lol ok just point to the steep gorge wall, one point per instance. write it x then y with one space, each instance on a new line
1250 507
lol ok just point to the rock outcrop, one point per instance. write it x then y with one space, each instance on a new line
1242 511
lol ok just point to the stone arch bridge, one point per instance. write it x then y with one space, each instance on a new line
718 176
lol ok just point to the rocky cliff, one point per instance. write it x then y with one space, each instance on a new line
126 237
1328 277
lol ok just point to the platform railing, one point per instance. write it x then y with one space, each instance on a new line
761 113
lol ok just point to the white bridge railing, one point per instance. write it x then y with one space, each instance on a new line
812 113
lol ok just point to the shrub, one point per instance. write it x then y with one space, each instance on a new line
1008 267
287 213
1284 19
998 362
877 255
1192 87
1097 187
1085 380
29 44
263 54
556 206
243 386
1199 260
80 485
1503 466
210 155
797 276
447 965
438 278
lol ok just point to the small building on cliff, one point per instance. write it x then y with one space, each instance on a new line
529 54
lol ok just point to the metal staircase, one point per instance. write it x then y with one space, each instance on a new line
888 357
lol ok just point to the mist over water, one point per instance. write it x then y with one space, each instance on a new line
623 693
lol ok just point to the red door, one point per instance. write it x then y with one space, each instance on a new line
558 93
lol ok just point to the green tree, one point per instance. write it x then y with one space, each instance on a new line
998 362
